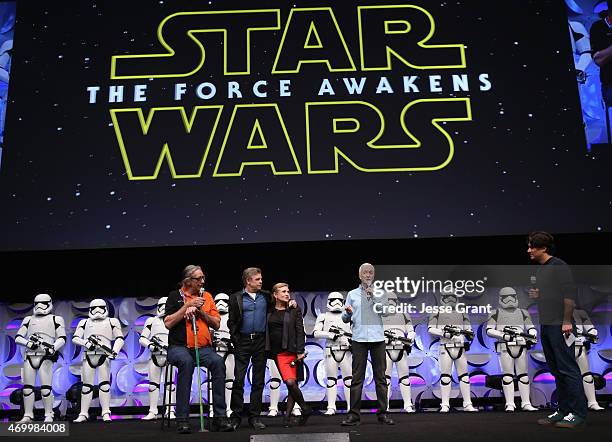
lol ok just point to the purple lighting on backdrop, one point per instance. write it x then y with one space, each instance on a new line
478 379
76 321
416 380
9 389
603 308
14 324
141 320
141 388
544 378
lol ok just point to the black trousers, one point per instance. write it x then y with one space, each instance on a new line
562 363
379 364
254 350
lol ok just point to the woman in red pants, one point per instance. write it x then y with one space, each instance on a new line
285 340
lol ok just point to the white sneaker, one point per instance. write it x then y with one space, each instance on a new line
528 407
444 409
106 417
80 418
409 409
296 412
150 416
470 408
48 419
510 408
25 418
273 412
330 412
594 406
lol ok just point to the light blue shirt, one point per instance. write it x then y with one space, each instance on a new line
367 325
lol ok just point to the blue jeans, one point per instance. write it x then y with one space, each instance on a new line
563 366
184 359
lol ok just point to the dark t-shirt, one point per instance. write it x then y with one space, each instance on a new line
275 327
555 282
601 38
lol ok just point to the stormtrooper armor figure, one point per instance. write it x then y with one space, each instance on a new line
329 326
154 336
223 346
451 327
586 335
399 335
96 334
515 333
42 335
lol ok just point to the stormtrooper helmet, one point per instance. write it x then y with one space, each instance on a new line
161 306
222 302
42 304
335 302
448 298
508 298
98 309
393 300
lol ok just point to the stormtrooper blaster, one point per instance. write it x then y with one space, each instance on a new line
456 331
217 339
339 332
158 343
99 345
593 339
37 341
391 337
531 340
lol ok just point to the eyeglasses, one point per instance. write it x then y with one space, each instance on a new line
197 278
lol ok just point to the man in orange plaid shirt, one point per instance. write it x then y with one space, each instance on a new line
190 301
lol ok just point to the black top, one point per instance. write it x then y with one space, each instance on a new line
293 336
555 282
177 335
601 38
276 322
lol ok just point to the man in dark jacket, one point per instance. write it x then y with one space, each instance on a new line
247 322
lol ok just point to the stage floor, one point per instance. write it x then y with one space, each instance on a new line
482 426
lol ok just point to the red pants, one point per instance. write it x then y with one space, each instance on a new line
283 361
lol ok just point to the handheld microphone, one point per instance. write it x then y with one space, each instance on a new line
533 281
296 360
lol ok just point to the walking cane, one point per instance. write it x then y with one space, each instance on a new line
195 338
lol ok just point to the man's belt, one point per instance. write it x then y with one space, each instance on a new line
252 335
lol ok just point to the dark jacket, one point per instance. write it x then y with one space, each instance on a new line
294 337
234 319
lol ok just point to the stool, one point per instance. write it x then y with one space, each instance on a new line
167 403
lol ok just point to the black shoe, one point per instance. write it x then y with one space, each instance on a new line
256 423
351 420
384 419
183 427
287 421
235 420
222 424
306 413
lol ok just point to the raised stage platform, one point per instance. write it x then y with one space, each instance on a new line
455 426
